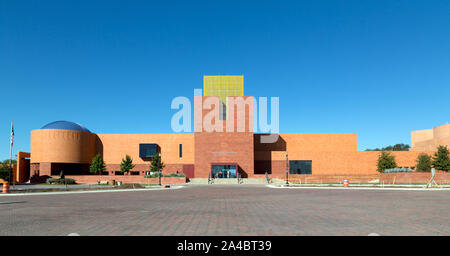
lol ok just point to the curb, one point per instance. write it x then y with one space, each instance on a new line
90 191
364 188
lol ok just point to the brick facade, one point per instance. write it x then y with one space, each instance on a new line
343 163
220 137
227 146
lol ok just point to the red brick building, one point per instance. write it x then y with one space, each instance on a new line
223 145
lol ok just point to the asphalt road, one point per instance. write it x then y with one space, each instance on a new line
229 210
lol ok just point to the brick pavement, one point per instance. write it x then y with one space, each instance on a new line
229 210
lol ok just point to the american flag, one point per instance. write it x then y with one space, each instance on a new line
12 134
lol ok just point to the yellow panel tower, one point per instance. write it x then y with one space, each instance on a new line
223 86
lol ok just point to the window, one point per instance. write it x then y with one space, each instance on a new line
300 167
223 111
181 150
223 171
147 150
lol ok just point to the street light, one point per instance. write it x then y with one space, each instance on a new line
160 177
287 168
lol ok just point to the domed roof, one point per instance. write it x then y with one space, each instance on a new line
65 125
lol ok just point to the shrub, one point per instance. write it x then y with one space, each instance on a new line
60 181
423 163
155 175
152 175
175 175
385 161
391 170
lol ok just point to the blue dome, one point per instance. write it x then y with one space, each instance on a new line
65 125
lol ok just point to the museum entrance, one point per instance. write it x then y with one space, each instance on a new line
224 170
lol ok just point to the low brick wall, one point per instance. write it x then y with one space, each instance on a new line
415 177
404 178
125 179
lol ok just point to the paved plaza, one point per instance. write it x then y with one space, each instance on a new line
229 210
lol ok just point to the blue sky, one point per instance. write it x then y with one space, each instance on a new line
376 68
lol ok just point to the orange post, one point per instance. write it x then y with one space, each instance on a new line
345 183
5 187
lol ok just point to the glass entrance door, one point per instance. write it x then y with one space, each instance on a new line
223 171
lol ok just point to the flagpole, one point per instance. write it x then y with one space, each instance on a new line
10 154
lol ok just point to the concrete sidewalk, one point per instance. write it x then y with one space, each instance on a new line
362 187
22 187
80 191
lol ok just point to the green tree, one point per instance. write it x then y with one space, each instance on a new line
156 163
127 164
4 168
386 161
423 163
97 165
400 147
441 160
396 147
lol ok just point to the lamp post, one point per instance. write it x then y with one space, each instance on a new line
287 168
160 177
